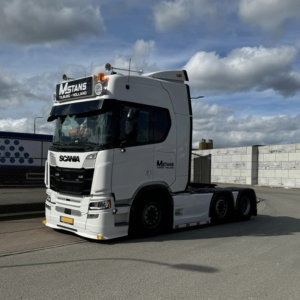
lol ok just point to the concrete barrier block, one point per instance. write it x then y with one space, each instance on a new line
269 165
246 157
248 180
289 148
235 172
263 181
294 174
275 182
246 173
240 150
237 165
236 158
248 165
282 157
260 157
227 158
264 149
281 173
276 149
220 165
217 172
236 180
289 182
294 156
217 158
226 172
297 183
297 148
288 165
269 173
214 178
249 150
269 157
297 165
222 179
260 173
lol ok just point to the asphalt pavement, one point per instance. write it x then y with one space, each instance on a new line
256 259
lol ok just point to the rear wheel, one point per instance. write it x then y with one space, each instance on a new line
244 208
221 210
148 217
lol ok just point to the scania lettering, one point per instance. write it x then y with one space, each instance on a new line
69 158
120 162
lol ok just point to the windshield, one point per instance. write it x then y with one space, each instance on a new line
83 130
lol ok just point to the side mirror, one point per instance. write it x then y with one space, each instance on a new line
133 113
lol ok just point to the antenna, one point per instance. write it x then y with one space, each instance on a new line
129 69
197 97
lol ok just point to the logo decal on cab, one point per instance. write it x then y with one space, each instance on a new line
69 158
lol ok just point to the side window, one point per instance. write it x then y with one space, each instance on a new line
142 124
162 124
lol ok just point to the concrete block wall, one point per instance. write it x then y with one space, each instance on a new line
276 165
232 165
279 165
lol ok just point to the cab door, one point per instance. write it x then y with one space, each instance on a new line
134 150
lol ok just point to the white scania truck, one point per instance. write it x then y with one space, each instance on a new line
121 157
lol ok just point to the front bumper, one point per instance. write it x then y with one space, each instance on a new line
103 227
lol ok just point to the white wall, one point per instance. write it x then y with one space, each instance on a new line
276 165
232 165
279 165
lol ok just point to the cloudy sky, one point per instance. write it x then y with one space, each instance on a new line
242 55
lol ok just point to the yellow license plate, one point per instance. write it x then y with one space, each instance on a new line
67 220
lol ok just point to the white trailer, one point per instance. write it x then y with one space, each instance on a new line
121 156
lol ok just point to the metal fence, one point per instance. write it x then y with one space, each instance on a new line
22 168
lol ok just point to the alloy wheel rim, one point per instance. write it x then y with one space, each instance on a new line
221 208
151 215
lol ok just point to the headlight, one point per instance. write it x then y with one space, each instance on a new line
98 89
48 198
92 156
104 204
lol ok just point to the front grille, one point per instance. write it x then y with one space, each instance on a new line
67 211
71 181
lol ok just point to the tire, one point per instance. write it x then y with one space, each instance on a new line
148 216
244 207
221 209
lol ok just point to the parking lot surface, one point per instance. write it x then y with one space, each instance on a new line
257 259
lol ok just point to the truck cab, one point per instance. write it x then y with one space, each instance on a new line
121 156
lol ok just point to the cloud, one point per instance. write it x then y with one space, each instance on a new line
169 15
25 125
140 55
270 15
15 92
39 22
218 123
245 69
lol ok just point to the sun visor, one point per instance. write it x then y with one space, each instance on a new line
75 108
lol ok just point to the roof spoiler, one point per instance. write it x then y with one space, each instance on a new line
176 75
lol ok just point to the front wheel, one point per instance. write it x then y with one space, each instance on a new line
148 216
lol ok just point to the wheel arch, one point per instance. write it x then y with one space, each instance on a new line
253 199
155 188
